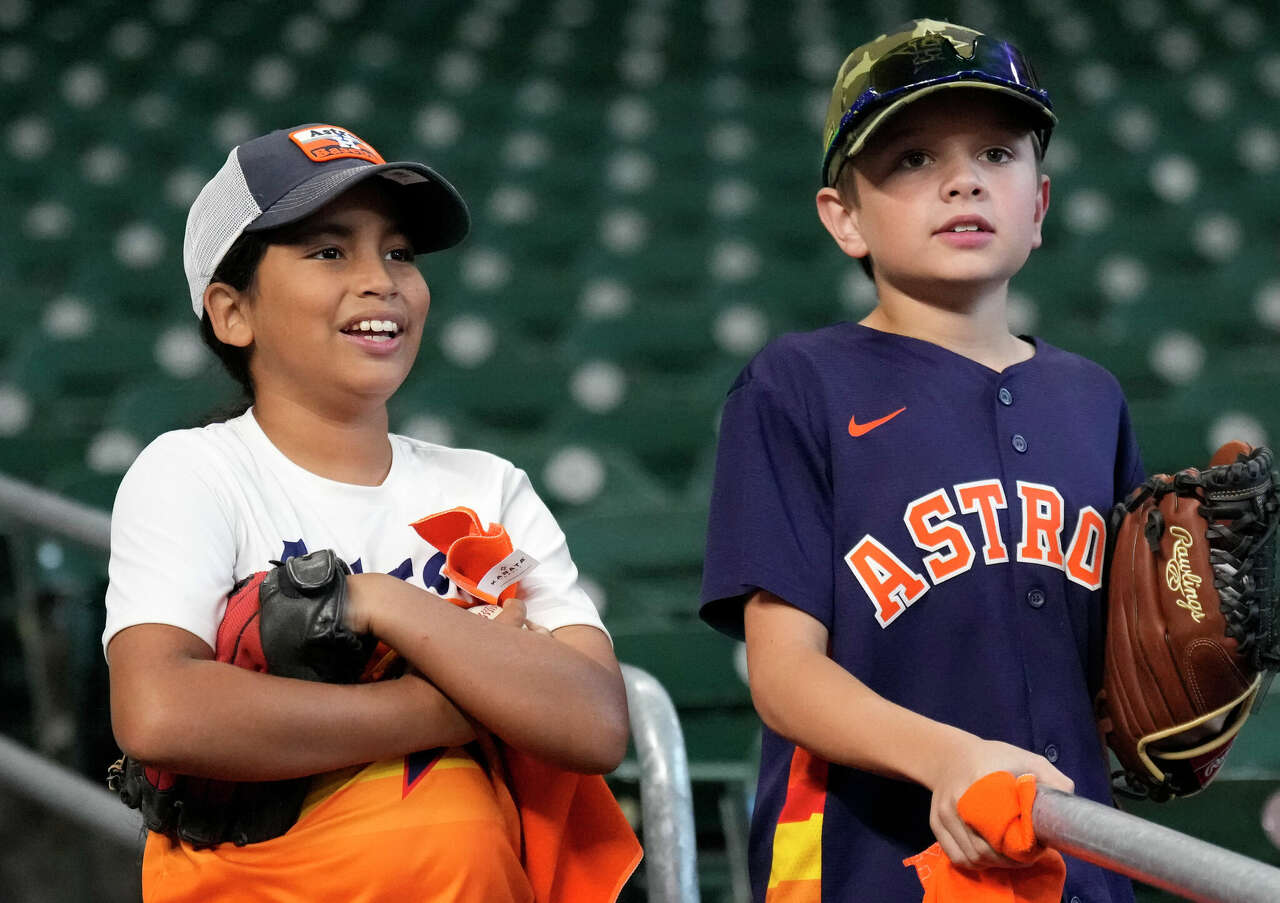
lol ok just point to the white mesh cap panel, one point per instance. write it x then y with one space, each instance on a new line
220 212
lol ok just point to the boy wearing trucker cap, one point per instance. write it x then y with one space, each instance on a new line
300 256
906 518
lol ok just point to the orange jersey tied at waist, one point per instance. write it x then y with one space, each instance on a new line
426 827
439 826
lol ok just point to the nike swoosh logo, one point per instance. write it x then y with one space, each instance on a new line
861 429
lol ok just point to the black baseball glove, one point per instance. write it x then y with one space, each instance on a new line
288 621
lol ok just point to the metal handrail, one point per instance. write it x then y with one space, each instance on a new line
55 513
1152 853
68 794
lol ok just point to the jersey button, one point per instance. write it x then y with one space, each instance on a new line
1076 900
1035 598
1005 396
1019 443
1051 753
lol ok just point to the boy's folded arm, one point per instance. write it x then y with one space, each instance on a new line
805 696
174 707
560 698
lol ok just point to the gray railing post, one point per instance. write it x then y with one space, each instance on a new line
666 795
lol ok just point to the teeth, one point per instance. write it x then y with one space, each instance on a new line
374 326
969 227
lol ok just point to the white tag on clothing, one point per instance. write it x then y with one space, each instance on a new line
506 572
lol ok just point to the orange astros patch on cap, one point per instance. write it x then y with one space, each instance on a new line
329 142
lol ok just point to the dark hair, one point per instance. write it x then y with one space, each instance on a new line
238 268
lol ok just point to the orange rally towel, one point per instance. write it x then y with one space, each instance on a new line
479 559
998 807
578 846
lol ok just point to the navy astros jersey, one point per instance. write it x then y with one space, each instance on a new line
946 523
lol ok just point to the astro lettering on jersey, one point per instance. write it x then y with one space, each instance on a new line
859 472
432 579
951 524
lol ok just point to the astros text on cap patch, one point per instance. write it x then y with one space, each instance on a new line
329 142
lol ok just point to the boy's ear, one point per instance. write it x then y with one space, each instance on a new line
1042 207
841 222
227 311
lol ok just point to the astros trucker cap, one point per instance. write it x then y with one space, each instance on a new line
286 175
915 60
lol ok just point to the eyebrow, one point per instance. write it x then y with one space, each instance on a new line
324 227
305 231
895 135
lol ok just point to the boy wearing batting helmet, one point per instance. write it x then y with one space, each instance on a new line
907 518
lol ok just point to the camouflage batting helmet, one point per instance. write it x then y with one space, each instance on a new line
923 56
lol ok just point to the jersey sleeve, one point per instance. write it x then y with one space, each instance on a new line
550 591
172 544
1129 469
770 520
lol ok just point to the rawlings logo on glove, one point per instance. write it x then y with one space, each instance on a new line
1192 607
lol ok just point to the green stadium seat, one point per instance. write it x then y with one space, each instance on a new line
665 424
670 600
631 544
72 379
653 337
696 666
517 386
147 409
85 485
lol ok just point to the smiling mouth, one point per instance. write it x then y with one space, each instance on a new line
375 330
971 227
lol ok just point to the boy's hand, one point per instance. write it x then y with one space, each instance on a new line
964 764
514 613
362 596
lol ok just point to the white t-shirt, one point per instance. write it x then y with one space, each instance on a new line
202 508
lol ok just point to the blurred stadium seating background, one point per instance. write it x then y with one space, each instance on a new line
641 177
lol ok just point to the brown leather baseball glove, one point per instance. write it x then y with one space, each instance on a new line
1191 620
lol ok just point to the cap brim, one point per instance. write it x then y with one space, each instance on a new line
437 217
882 116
